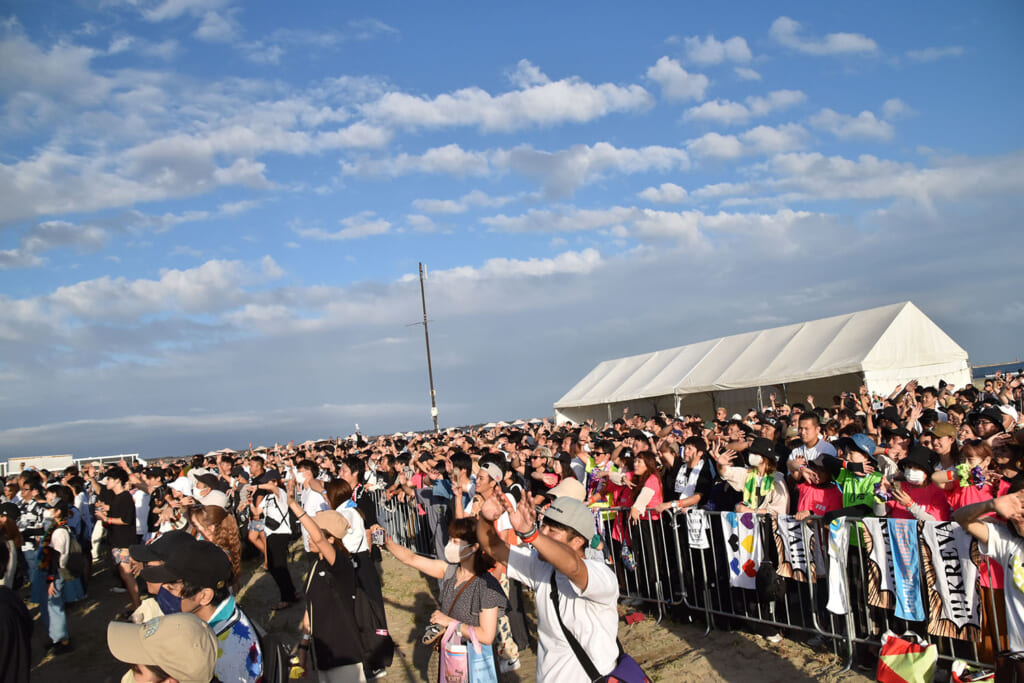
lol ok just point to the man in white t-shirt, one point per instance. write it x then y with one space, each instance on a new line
813 446
312 497
588 591
1005 544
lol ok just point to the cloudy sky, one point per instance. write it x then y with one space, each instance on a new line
211 212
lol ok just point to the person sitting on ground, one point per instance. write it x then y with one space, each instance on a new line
177 648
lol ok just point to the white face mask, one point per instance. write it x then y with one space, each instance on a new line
452 552
915 477
755 460
300 478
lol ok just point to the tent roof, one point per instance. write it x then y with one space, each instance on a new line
894 336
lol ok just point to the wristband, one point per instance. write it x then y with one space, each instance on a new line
531 533
304 514
949 475
886 451
531 537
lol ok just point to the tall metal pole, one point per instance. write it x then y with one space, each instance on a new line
426 337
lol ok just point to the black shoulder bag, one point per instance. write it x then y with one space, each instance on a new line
626 668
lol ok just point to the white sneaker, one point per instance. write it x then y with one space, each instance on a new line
377 674
506 665
774 638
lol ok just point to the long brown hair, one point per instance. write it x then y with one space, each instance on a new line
337 492
225 533
650 464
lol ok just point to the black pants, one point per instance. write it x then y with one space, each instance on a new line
277 565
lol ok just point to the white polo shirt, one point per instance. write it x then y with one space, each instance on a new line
591 616
812 453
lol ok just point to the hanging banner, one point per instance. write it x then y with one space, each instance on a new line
954 610
742 548
798 552
881 579
907 565
838 544
697 528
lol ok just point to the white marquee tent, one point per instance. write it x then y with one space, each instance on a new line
880 347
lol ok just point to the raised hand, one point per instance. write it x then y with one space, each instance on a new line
1010 507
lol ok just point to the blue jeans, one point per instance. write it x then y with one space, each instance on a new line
53 616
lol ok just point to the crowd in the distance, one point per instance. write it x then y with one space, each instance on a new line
500 509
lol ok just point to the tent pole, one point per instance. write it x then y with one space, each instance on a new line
677 402
609 406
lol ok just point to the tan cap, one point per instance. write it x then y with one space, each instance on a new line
942 429
570 488
180 644
214 498
332 522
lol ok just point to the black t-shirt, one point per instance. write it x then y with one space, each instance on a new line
122 507
331 594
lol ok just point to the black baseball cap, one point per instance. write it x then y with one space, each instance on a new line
159 550
200 563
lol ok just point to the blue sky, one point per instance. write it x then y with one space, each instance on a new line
211 212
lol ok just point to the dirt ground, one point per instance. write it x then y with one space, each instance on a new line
670 651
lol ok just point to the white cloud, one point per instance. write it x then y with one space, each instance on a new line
560 220
774 101
527 74
711 51
460 205
747 73
786 31
365 224
773 140
569 100
720 111
216 27
450 159
896 108
758 140
716 146
931 54
730 113
569 262
564 171
164 10
421 223
676 82
560 173
666 193
864 126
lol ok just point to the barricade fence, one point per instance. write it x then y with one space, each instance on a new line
846 583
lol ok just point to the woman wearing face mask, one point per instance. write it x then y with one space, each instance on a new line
61 586
469 595
763 488
917 497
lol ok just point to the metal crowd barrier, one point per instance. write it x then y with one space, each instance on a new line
675 566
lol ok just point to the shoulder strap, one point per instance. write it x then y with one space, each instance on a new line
459 594
581 654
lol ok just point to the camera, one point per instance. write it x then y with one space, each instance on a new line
432 632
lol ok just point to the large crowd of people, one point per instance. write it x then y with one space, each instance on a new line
552 509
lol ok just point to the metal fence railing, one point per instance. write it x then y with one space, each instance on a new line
837 583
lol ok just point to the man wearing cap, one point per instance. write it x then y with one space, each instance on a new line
194 579
176 647
587 589
153 554
943 442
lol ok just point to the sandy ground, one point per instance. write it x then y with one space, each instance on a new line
670 651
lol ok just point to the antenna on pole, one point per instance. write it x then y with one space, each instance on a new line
426 337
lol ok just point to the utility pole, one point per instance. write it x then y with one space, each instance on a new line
426 337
